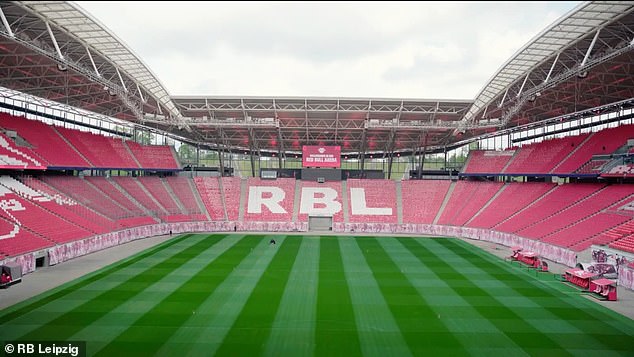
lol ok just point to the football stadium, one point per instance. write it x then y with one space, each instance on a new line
137 222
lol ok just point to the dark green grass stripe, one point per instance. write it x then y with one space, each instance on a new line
252 328
495 312
424 333
90 311
30 305
608 335
154 328
335 330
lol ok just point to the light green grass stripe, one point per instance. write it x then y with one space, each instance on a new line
335 328
91 280
378 332
91 310
106 329
150 332
293 332
411 266
532 340
250 331
550 284
423 329
33 324
204 331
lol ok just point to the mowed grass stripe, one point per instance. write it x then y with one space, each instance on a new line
424 332
155 327
251 329
335 328
107 328
461 319
55 308
594 333
67 324
530 339
22 309
549 285
204 331
378 332
293 332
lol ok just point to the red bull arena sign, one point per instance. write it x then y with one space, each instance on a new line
321 156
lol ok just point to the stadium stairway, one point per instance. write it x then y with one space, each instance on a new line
465 167
344 201
296 199
146 211
452 186
174 197
127 148
572 152
244 185
527 207
510 160
399 202
199 200
603 209
153 199
71 145
484 207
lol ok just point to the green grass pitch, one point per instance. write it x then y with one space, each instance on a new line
238 295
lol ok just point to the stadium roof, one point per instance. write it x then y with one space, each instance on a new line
584 61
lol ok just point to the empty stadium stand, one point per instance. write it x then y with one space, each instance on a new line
422 199
372 201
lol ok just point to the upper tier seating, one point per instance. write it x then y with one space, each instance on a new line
154 156
485 161
542 157
603 142
101 151
22 157
45 140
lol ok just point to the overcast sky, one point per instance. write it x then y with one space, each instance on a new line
371 50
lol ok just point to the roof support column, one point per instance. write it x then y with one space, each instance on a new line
121 80
251 150
221 161
6 23
503 99
551 68
522 87
390 153
422 159
594 40
362 152
93 63
54 40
